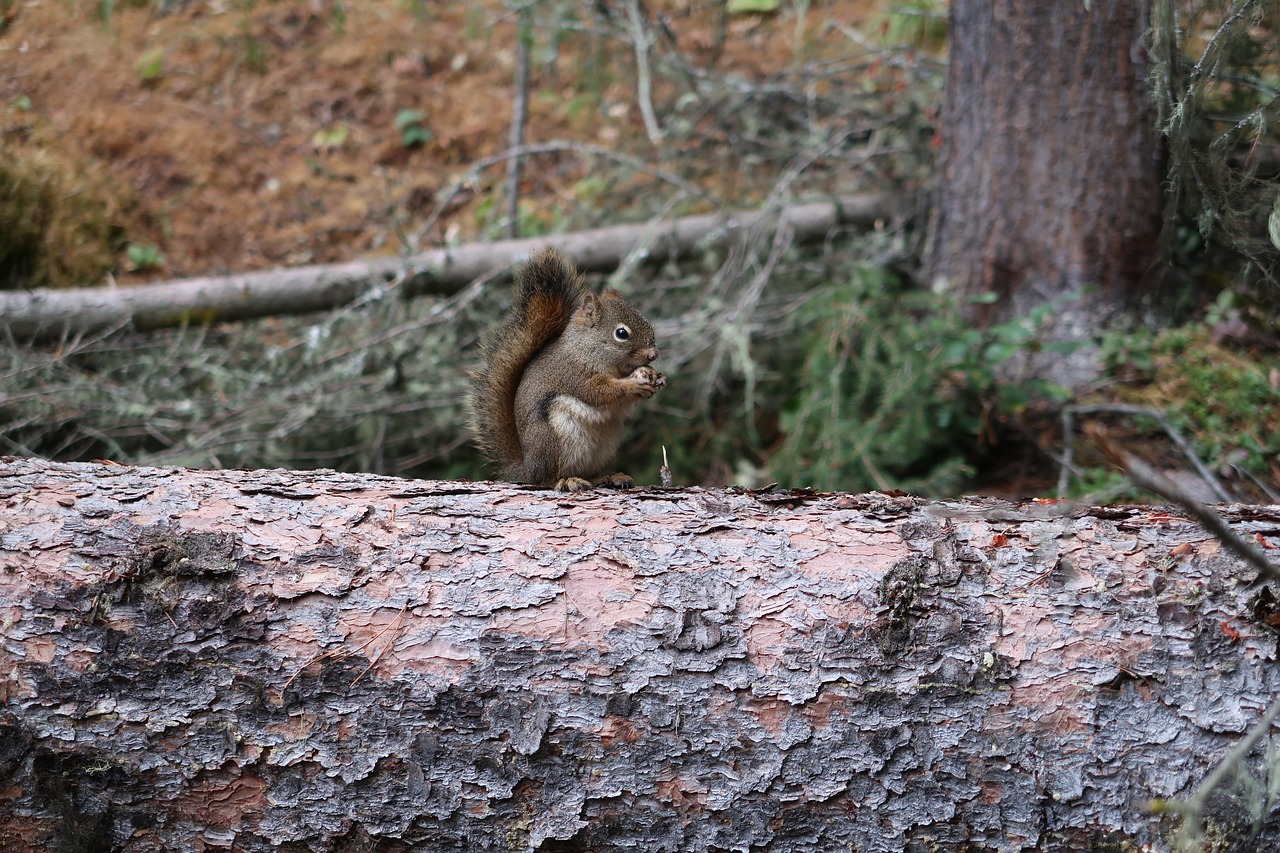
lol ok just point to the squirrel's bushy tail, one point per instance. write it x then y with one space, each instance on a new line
547 292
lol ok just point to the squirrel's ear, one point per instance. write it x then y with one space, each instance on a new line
589 309
612 295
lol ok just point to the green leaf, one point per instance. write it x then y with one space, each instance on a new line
1055 392
748 7
408 118
955 352
996 353
143 256
329 140
415 135
412 131
150 66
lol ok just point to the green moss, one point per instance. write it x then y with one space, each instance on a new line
1226 400
58 221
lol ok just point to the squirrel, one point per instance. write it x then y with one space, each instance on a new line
558 377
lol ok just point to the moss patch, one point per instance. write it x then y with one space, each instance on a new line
59 220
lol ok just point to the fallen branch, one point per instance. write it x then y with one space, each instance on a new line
1068 434
1146 477
44 314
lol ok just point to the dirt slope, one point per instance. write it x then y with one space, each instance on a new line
239 134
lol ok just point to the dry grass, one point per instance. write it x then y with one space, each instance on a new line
257 134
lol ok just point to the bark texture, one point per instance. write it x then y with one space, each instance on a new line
42 314
316 661
1050 161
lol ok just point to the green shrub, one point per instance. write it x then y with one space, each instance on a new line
880 401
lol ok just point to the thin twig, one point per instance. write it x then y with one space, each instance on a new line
735 323
644 94
519 115
1193 808
1219 491
552 147
1214 46
342 652
1146 477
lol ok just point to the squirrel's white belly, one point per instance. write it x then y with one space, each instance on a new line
589 435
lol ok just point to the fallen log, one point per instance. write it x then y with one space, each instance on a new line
270 660
44 314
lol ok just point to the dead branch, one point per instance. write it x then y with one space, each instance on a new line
45 314
519 117
1068 441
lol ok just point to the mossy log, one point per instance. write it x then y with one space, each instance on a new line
271 660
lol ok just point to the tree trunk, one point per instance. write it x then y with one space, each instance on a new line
266 660
1050 161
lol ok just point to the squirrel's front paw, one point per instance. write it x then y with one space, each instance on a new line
645 381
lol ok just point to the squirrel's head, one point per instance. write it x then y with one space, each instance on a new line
619 330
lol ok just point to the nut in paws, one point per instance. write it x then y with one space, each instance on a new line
647 380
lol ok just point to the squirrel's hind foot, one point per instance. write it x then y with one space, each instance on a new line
573 485
616 480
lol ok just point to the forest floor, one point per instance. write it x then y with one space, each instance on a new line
205 137
233 135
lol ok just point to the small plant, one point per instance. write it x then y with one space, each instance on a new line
143 256
1228 401
1225 400
7 13
592 189
326 141
417 7
1127 354
412 130
897 390
150 66
919 24
878 403
475 24
983 356
253 53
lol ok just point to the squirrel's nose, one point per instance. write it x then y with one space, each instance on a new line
651 353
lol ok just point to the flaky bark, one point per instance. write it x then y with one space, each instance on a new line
40 314
320 661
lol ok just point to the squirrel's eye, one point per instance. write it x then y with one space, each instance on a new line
622 333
